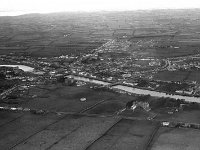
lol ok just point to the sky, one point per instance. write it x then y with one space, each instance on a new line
46 6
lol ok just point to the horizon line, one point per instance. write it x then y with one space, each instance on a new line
13 13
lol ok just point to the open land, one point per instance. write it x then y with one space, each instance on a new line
176 139
58 119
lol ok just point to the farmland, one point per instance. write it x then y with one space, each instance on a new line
176 139
61 120
126 134
178 76
63 33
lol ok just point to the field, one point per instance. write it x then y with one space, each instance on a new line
49 131
59 98
171 75
29 131
194 76
127 134
173 52
73 124
112 106
176 139
178 76
181 116
71 132
49 36
155 47
21 126
64 98
74 33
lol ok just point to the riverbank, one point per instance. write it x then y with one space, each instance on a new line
135 90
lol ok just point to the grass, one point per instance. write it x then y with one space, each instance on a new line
108 107
20 129
6 117
64 98
178 76
194 76
72 132
172 52
181 116
171 75
176 139
126 134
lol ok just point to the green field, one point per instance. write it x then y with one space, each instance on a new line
178 76
176 139
64 98
127 135
21 126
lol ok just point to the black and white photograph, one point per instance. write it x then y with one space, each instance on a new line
99 74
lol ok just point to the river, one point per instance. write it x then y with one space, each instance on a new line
136 90
155 93
22 67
